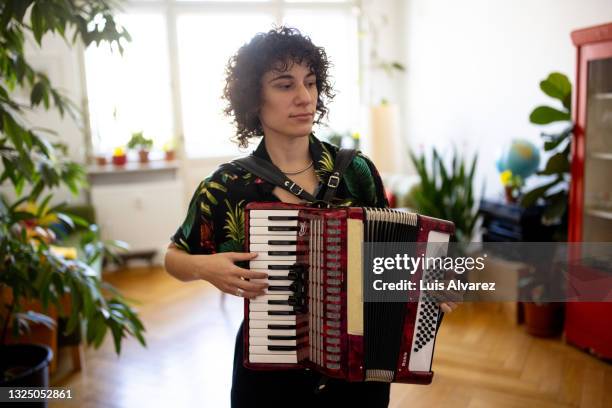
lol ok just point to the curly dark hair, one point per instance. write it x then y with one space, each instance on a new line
277 49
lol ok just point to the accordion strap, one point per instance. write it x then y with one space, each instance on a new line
272 174
344 157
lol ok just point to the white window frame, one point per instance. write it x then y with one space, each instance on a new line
171 9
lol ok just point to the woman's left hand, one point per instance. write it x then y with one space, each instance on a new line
448 307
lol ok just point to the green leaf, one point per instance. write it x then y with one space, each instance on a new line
558 86
530 198
557 205
554 140
37 93
543 115
557 163
37 21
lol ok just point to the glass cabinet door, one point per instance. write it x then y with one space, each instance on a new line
597 221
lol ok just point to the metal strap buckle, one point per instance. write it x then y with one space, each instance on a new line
333 181
293 189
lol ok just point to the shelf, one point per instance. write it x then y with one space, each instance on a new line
600 155
594 212
602 95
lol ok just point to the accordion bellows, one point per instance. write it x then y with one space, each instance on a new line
313 314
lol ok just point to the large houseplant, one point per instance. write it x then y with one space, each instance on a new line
554 192
541 318
35 164
446 192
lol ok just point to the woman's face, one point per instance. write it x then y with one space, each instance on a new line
289 101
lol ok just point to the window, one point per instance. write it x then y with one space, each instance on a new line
189 42
131 93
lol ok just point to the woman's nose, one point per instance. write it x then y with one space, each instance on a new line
303 95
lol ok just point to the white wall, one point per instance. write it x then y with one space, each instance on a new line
474 68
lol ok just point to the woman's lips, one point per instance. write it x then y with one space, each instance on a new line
306 116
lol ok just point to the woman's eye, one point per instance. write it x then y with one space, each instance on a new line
284 86
311 84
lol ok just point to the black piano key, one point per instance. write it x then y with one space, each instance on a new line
282 253
282 337
288 277
281 313
291 301
278 288
282 326
278 242
281 267
282 348
282 218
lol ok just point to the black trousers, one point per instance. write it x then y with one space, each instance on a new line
299 388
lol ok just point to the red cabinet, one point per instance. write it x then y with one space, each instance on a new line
589 325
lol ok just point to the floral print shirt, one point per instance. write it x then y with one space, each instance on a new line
215 219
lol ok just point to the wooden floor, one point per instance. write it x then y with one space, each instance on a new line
482 358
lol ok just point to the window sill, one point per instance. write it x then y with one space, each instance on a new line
133 167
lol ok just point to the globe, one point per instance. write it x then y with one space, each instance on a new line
521 157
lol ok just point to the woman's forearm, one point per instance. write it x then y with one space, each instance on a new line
182 265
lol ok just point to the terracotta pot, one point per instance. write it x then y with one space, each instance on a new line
143 156
544 320
510 198
101 160
170 155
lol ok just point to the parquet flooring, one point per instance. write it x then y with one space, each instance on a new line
482 358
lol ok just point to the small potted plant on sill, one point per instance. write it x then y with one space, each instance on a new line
169 150
119 156
142 144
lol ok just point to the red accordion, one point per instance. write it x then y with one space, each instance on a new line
313 314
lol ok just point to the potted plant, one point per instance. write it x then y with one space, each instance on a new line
446 192
30 269
169 150
119 157
142 144
542 318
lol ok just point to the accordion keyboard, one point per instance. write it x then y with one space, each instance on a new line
274 330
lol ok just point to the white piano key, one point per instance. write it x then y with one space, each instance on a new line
266 247
265 298
263 264
264 256
271 332
271 318
271 272
264 350
273 282
265 231
265 341
279 292
263 324
273 358
263 307
262 239
264 222
269 213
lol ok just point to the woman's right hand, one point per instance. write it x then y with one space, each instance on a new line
220 270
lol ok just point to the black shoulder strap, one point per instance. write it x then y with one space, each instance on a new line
344 157
272 174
